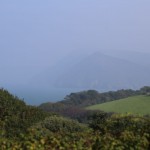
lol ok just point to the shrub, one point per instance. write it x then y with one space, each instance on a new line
61 124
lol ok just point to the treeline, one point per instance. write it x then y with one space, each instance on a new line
91 97
72 104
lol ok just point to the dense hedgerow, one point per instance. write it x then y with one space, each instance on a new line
60 124
112 133
16 116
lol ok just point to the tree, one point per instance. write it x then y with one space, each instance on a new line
145 90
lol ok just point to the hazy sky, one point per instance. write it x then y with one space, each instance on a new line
34 34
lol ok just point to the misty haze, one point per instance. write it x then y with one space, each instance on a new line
50 49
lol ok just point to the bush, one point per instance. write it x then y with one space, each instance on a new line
61 124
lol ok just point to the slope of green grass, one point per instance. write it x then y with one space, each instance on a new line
135 104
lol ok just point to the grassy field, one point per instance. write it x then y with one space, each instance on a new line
135 105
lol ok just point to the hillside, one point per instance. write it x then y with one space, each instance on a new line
16 116
27 127
141 58
86 98
95 72
135 104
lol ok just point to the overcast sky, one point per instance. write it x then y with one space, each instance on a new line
36 33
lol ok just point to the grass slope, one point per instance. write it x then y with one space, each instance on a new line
135 104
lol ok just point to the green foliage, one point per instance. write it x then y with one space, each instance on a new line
145 90
98 121
25 127
60 124
16 116
91 97
77 101
53 107
121 133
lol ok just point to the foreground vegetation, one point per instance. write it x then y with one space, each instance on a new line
135 105
29 128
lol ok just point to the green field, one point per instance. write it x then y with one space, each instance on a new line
135 105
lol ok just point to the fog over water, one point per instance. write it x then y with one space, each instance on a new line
40 40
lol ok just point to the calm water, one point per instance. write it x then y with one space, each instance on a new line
36 97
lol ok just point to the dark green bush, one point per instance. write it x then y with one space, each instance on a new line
61 124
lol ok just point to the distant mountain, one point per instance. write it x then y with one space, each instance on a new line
99 71
141 58
95 71
47 77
